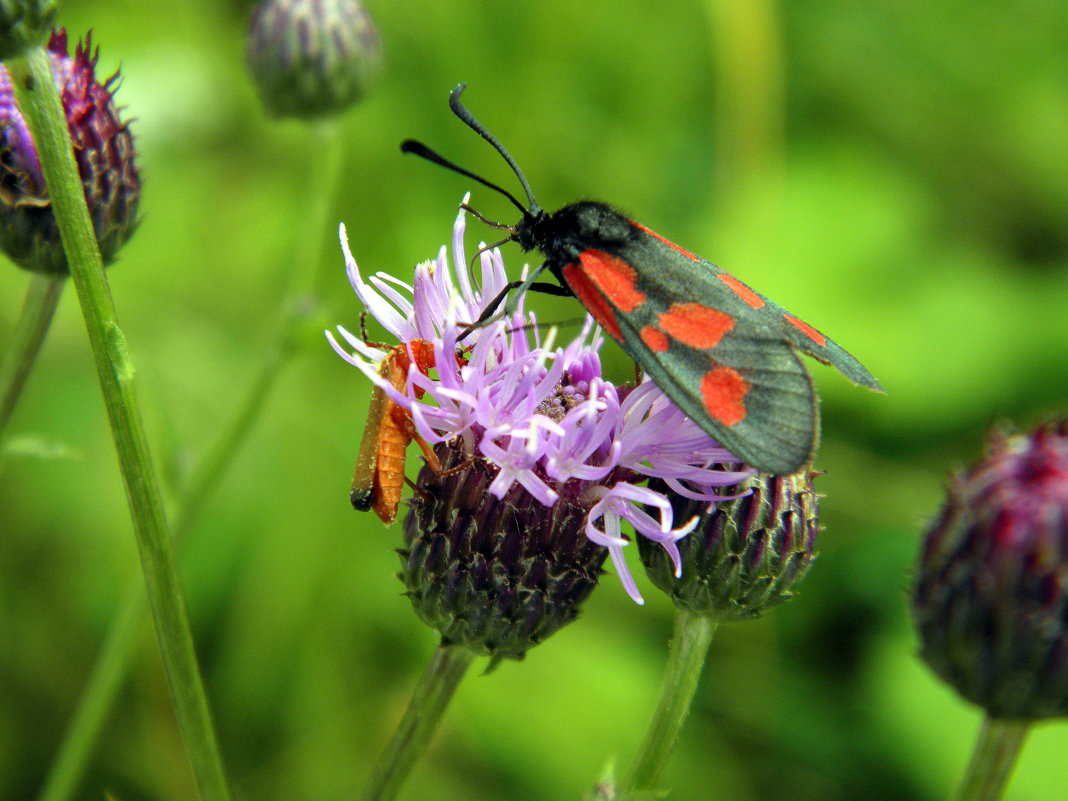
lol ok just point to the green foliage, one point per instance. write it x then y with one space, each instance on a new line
910 196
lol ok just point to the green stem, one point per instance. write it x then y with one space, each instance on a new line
97 698
750 95
106 679
432 694
996 749
104 682
39 101
686 658
42 297
325 175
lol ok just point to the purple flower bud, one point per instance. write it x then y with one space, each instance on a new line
747 552
103 150
312 57
24 24
990 600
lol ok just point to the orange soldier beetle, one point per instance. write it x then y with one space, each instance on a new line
378 478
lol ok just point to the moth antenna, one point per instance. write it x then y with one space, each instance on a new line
468 119
421 150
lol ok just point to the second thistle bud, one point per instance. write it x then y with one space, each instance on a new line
991 595
312 57
746 554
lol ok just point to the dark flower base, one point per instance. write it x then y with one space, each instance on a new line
497 576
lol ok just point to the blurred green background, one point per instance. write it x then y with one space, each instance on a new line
894 173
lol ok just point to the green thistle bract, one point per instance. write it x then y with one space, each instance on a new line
312 57
745 555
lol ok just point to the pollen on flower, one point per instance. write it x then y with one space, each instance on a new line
542 421
562 401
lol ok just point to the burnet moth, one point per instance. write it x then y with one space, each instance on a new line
724 353
378 478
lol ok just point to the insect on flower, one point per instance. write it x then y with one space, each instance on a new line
378 478
724 353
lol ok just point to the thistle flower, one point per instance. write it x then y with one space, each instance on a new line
312 57
991 601
103 149
747 553
549 457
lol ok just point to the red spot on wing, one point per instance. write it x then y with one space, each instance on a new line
614 277
667 242
654 339
723 391
742 291
806 329
696 325
589 296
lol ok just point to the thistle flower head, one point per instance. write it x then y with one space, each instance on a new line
556 452
312 57
991 595
747 553
103 150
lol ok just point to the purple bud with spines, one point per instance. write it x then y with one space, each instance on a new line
495 575
991 595
310 58
103 150
25 24
745 555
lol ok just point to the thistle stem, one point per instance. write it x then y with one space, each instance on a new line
42 297
747 58
108 673
40 103
106 679
432 694
327 148
686 658
993 758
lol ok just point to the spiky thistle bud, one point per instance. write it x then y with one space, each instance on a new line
991 594
312 57
103 150
24 24
746 554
